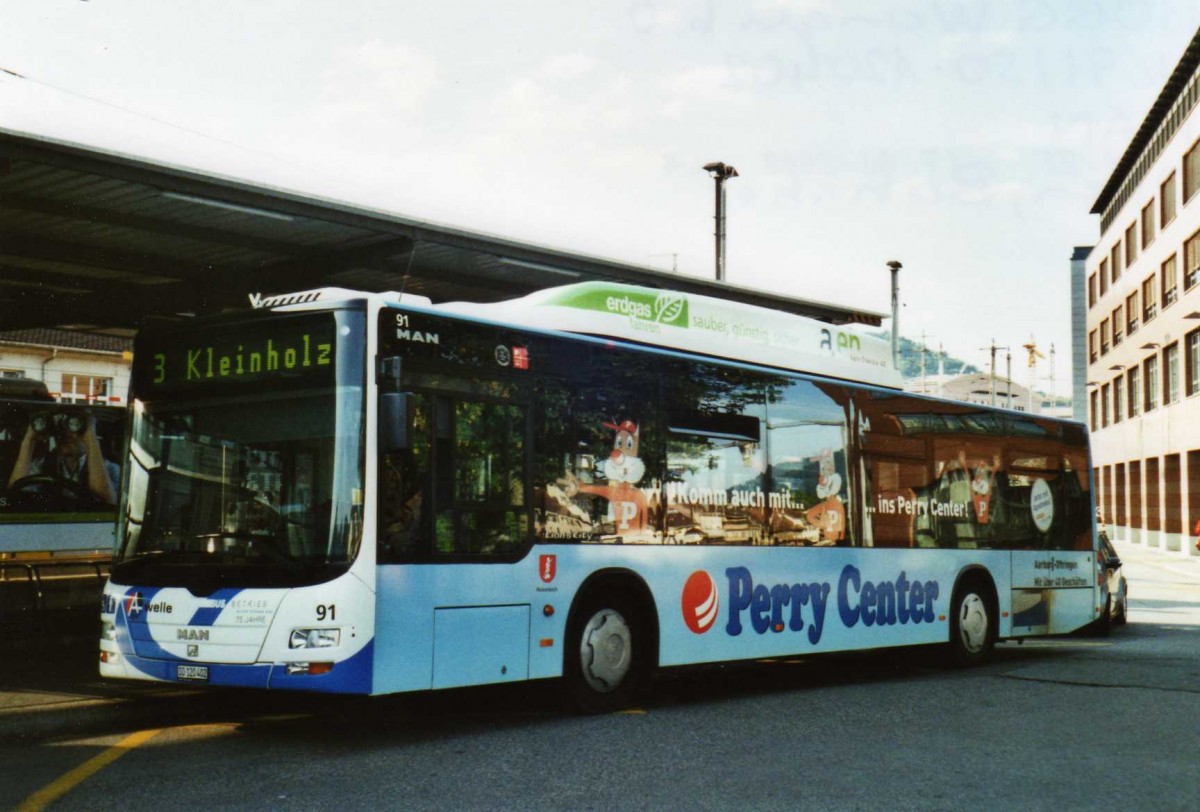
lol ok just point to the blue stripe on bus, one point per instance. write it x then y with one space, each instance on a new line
207 615
351 676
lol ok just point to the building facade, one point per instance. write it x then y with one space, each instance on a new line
1141 287
76 367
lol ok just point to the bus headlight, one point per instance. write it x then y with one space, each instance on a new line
314 638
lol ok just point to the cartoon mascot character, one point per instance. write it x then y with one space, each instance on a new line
828 515
623 469
982 480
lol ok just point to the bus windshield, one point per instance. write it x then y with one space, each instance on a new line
251 481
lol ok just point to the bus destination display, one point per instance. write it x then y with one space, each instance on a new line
281 350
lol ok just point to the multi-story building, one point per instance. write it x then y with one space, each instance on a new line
1142 292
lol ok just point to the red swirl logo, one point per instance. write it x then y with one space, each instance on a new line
700 602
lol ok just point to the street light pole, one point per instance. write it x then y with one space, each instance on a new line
895 266
720 173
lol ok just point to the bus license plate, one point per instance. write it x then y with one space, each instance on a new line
192 672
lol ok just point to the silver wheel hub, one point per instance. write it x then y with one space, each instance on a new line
973 623
606 650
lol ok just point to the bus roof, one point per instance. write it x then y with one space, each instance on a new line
670 319
701 324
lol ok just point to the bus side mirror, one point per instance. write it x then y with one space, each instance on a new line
394 413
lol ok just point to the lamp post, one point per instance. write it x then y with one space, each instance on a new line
895 266
720 173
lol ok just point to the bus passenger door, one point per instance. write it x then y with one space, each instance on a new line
453 504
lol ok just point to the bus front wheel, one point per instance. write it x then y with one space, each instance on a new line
602 665
972 623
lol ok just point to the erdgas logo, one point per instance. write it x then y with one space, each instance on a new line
664 308
640 304
701 604
669 308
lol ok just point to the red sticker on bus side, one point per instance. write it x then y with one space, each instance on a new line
548 567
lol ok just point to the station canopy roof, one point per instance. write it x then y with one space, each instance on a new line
95 240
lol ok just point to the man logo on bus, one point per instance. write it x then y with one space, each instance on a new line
701 604
548 567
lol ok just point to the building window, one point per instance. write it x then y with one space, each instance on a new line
1149 300
1116 395
1104 337
1091 291
1148 224
1191 172
1153 494
1115 261
11 373
1167 200
1117 325
1150 390
1133 388
1192 348
1131 314
1171 374
1191 261
1170 287
1092 347
1104 396
84 388
1095 410
1130 245
1119 476
1103 277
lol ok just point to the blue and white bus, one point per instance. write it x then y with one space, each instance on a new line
370 494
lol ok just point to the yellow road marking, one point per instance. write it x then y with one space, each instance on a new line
632 712
64 784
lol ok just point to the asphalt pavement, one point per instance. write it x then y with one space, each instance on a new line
46 685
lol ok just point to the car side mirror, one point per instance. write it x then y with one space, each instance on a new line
394 411
395 407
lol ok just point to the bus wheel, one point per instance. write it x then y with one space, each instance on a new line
972 625
602 667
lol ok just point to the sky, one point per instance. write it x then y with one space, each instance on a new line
967 140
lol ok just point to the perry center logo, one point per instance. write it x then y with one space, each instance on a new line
700 604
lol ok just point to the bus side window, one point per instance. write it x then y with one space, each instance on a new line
807 442
601 450
479 474
403 486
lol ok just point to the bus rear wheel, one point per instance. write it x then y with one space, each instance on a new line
603 667
972 623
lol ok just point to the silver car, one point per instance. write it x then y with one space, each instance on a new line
1117 605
